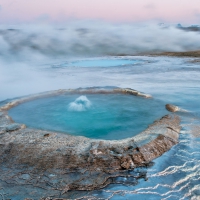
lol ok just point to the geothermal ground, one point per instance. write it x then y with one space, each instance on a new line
59 162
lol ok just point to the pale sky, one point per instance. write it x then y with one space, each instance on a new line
183 11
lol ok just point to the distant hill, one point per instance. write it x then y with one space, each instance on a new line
189 28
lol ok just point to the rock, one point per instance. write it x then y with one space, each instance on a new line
25 176
144 95
172 108
13 127
127 163
46 135
86 164
132 92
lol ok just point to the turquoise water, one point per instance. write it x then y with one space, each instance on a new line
100 63
101 116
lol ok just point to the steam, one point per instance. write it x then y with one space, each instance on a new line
93 39
81 104
27 52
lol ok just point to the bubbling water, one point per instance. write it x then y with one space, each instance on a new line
81 104
100 116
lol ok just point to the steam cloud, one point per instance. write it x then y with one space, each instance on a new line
93 39
24 49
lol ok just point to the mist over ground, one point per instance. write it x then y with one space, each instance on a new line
93 39
25 49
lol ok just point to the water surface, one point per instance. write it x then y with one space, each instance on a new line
101 116
100 62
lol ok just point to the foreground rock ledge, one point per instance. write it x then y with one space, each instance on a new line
76 162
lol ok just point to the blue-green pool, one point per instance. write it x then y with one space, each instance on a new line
101 116
101 63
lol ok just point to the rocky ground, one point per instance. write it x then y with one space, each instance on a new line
181 54
59 163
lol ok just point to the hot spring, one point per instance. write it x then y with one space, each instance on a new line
175 174
103 62
99 116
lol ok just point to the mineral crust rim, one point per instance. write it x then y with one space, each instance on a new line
53 151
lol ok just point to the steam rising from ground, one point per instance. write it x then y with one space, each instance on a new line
82 103
25 50
93 39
